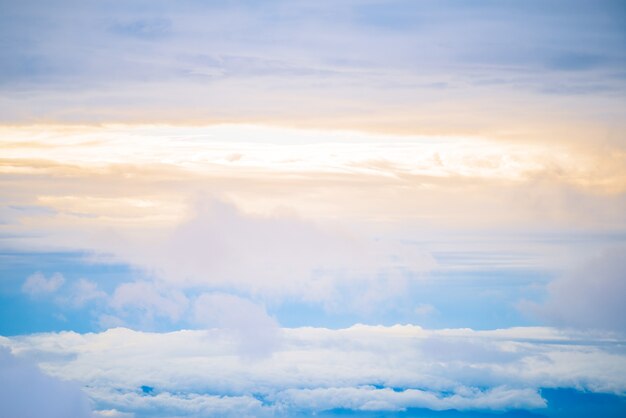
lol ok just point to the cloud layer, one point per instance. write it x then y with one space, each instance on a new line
510 70
363 368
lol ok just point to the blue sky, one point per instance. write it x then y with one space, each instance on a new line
360 208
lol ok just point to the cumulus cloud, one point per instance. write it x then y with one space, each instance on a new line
25 392
37 284
277 256
191 404
370 398
590 295
201 373
257 333
82 292
149 300
144 305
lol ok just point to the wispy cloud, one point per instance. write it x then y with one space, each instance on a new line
37 284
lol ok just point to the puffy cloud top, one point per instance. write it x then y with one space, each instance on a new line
362 368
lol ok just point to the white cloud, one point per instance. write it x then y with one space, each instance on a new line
25 392
386 399
363 368
113 413
276 256
193 404
150 300
37 284
82 292
591 295
256 332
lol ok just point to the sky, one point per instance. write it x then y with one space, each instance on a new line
362 208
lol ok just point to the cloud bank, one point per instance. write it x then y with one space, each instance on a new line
362 368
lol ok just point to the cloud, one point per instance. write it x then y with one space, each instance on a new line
275 256
106 321
356 236
425 309
37 284
589 296
25 392
149 300
370 398
145 305
82 292
354 65
113 413
196 405
361 368
257 333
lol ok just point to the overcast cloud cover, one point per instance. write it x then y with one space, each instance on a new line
507 68
359 208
